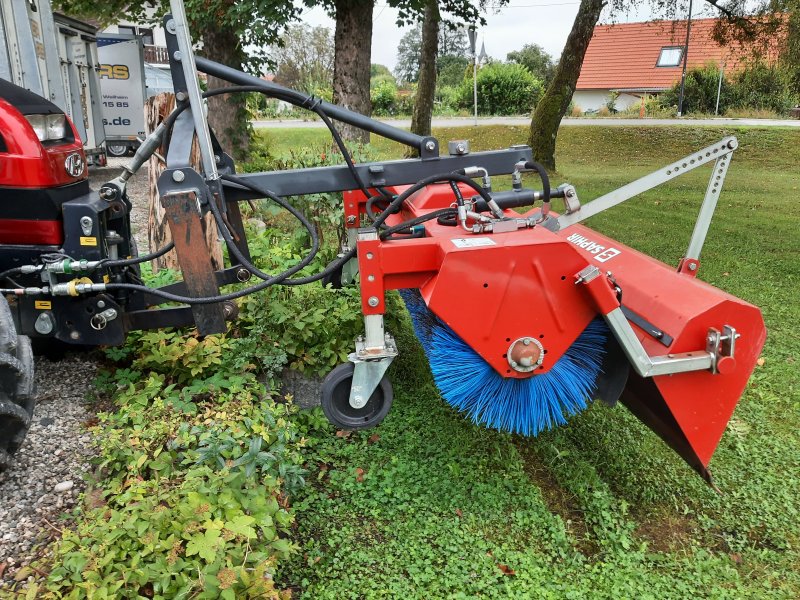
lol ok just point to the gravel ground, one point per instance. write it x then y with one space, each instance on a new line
47 476
45 480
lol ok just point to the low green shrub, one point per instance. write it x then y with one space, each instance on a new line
503 89
756 87
192 492
384 98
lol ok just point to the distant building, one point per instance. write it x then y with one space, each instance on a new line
153 38
638 59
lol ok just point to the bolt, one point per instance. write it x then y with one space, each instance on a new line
178 176
371 278
171 26
430 146
513 363
101 304
370 255
181 96
693 266
75 335
461 148
177 55
243 274
351 219
217 158
373 301
526 342
362 352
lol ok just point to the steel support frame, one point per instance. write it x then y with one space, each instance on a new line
720 153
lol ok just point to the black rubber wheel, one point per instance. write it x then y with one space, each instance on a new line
17 395
336 400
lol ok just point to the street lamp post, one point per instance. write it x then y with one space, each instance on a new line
685 57
473 38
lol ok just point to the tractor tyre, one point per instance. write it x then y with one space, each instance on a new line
17 394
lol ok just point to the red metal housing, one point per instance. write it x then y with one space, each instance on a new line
495 288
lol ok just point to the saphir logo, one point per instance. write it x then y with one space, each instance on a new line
601 253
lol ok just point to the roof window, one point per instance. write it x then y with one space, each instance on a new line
670 56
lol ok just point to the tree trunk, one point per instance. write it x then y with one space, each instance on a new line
353 48
555 101
426 87
227 114
158 232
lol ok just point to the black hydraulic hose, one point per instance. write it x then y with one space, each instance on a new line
300 99
440 178
535 166
234 249
330 269
124 262
309 103
12 271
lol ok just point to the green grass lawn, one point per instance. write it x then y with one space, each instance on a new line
430 506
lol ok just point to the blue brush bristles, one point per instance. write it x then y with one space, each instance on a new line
525 406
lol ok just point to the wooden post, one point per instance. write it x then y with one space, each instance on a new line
158 231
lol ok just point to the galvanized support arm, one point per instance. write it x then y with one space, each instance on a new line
717 356
715 152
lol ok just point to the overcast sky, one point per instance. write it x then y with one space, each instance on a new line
544 22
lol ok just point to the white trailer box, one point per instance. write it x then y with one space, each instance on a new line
77 48
55 57
122 83
28 51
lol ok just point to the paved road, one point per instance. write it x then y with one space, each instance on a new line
466 121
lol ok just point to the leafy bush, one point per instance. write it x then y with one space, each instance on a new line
384 98
503 89
448 98
193 499
761 87
758 86
700 91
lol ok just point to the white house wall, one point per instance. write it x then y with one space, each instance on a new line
594 99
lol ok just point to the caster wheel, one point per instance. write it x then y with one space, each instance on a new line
336 400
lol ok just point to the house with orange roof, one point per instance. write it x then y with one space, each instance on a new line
638 59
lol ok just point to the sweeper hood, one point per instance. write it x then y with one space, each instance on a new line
526 316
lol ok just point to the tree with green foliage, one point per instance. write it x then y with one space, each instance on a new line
553 105
426 85
452 45
304 58
225 28
536 60
353 46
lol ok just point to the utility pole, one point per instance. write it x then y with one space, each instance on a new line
685 57
719 85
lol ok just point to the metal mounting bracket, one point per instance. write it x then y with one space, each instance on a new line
370 367
717 356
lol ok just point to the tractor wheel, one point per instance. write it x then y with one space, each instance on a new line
17 396
336 400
